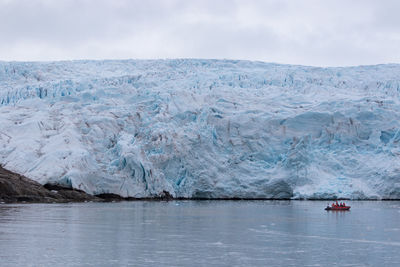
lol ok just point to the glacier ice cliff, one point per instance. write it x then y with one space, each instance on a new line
203 128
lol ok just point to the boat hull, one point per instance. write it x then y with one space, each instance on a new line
338 208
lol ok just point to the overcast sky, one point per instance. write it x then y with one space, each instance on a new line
307 32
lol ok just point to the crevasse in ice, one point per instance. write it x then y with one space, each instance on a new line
203 128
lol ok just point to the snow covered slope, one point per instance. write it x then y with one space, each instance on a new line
203 128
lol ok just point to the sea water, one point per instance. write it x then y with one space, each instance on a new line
200 233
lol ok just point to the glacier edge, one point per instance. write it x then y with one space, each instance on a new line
203 128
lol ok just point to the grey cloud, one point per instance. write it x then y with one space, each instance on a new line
310 32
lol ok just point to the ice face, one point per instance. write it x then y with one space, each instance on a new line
203 128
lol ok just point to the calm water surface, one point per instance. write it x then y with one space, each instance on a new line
200 233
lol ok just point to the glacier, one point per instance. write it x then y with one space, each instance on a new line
203 128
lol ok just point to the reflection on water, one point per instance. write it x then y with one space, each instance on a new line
200 233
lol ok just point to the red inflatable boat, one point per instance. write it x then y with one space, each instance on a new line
338 208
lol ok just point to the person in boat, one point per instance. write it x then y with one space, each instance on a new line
344 204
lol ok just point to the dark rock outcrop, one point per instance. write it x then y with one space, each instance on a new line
17 188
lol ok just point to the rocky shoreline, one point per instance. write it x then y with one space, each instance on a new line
16 188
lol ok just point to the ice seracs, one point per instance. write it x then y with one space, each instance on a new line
203 128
